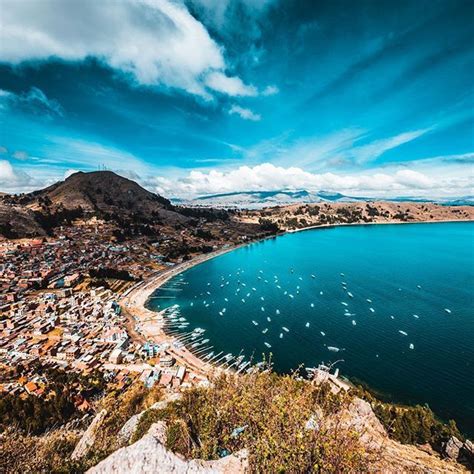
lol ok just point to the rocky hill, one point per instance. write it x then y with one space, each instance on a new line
104 194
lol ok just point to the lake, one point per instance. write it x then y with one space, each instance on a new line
395 303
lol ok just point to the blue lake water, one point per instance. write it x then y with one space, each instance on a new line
411 273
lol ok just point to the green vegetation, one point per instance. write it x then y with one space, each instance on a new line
268 415
410 424
34 414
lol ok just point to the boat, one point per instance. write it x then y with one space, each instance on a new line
269 319
255 323
368 300
350 294
403 333
354 323
285 329
265 331
412 346
281 335
333 349
277 311
268 345
313 276
323 333
372 309
447 310
312 305
307 325
344 303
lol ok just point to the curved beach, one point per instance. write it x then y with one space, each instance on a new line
151 322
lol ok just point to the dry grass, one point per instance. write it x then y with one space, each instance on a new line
275 411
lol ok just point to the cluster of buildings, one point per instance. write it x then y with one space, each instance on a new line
51 313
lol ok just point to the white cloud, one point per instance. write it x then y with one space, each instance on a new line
267 177
157 42
13 180
372 151
232 86
20 155
246 114
32 101
270 90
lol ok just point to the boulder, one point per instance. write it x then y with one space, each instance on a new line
452 447
88 438
149 455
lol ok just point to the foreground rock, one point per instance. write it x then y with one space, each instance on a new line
149 455
393 456
86 443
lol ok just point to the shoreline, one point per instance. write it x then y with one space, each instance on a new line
135 298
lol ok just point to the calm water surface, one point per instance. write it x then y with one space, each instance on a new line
410 274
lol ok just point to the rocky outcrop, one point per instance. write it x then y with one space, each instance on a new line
393 457
149 455
88 438
452 447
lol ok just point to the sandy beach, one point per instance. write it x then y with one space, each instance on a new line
151 322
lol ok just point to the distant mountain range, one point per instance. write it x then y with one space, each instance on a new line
284 197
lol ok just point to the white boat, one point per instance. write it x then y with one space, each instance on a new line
281 335
368 300
403 333
412 346
416 316
313 276
333 349
268 345
344 303
262 308
255 323
372 309
307 325
350 294
322 333
265 331
285 329
447 310
354 323
312 305
277 311
269 319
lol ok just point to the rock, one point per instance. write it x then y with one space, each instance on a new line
467 452
148 455
452 447
128 429
88 438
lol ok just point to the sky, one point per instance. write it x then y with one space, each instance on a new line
194 97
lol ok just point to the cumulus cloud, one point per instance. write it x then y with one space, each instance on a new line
268 177
246 114
270 90
232 86
13 180
157 42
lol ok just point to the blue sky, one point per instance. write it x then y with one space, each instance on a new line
204 96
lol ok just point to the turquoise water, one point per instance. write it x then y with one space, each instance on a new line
411 273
